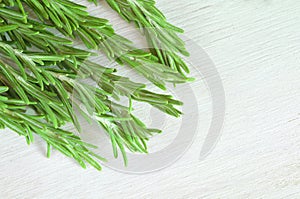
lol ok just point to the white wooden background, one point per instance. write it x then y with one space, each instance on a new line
255 46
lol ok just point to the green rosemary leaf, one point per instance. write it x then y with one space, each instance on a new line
3 89
5 28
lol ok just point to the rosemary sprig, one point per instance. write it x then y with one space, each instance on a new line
160 34
74 21
13 116
57 107
75 60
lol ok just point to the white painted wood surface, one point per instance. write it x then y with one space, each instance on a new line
255 46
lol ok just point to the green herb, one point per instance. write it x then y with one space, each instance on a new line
42 72
161 35
74 21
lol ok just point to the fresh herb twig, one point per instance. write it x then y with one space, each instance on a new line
57 107
74 21
13 116
161 35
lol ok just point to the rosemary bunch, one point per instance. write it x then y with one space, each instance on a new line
40 71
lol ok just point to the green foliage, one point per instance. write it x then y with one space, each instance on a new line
160 34
42 72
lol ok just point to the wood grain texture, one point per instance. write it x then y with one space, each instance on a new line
255 47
